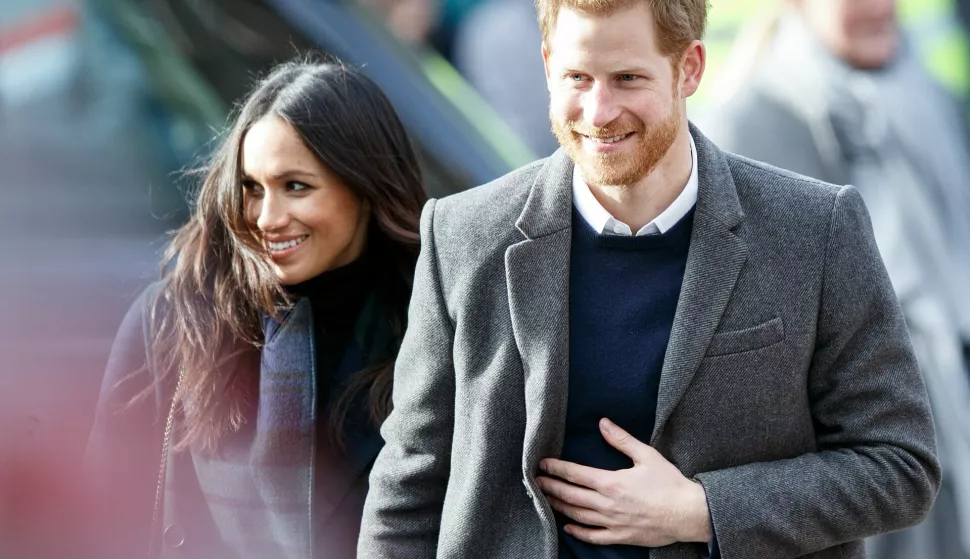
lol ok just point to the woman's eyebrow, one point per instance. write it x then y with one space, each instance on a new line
284 175
294 173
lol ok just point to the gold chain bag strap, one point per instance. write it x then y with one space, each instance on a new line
162 467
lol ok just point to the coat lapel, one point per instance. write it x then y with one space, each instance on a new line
537 269
714 263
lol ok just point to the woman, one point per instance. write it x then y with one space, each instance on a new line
241 402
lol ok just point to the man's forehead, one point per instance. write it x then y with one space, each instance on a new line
601 60
606 55
620 37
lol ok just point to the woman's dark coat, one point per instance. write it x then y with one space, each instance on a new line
253 499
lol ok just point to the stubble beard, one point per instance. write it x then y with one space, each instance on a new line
619 169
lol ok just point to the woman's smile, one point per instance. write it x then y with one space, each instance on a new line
283 247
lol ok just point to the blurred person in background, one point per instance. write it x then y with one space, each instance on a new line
453 16
412 21
833 89
239 411
501 38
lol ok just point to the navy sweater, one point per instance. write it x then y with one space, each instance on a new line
623 294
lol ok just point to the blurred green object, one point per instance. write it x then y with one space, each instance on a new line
941 40
725 20
179 87
480 114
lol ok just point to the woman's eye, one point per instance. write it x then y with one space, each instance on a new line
252 188
297 186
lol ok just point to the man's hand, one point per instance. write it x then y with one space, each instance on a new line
650 505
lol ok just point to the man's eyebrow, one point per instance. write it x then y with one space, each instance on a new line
635 70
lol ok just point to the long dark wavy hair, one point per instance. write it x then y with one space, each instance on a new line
217 279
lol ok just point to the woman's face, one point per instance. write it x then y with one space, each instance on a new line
306 218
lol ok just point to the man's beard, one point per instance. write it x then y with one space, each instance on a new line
618 169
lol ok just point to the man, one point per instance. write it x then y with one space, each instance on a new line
672 348
837 93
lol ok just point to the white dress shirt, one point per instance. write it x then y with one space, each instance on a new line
605 224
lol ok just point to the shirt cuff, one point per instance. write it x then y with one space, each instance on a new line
713 552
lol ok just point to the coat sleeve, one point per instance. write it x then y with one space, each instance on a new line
875 469
402 514
124 447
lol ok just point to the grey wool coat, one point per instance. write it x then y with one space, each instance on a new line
789 388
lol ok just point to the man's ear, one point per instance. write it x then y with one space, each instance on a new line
691 68
545 64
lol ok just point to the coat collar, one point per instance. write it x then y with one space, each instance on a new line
717 194
548 208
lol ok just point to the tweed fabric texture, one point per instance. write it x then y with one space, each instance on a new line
789 388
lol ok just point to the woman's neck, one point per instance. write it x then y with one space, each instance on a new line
337 295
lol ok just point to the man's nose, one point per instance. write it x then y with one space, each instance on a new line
600 106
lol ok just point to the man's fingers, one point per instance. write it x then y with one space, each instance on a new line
571 494
625 442
574 473
596 536
582 515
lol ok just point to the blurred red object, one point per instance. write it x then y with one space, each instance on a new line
50 23
44 512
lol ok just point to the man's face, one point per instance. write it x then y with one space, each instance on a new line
861 32
615 100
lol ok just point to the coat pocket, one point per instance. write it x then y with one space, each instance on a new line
756 337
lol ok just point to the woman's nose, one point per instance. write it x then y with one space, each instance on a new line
273 214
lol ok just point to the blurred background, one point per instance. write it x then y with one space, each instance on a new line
105 103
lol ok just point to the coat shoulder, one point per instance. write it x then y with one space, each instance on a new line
496 199
135 333
485 216
132 366
775 188
784 210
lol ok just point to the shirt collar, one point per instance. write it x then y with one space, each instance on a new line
604 223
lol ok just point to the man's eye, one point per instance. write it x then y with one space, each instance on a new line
576 77
628 77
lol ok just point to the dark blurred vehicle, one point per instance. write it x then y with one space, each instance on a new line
461 142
